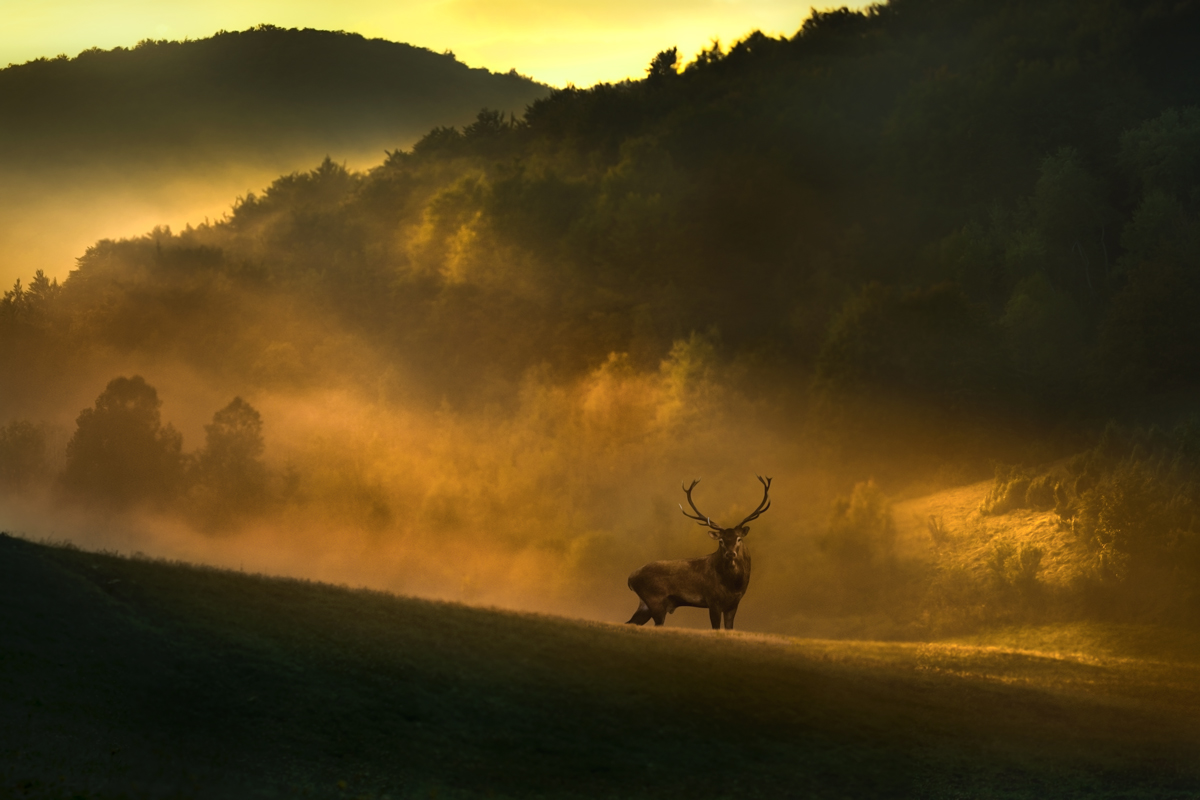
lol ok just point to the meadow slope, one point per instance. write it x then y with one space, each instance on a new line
126 677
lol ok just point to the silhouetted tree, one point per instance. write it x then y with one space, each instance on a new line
121 453
664 65
229 474
22 454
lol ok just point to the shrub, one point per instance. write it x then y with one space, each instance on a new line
1040 495
1008 492
1017 488
22 454
862 532
937 530
1134 502
861 544
1015 568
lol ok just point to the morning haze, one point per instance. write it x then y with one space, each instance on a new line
927 266
112 143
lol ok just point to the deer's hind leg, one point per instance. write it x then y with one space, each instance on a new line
641 616
714 616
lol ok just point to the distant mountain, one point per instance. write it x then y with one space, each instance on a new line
113 142
257 90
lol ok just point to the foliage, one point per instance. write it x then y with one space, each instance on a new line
23 457
1016 488
121 453
1134 501
938 531
228 475
1014 568
861 528
860 543
929 344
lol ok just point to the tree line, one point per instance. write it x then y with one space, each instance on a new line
121 455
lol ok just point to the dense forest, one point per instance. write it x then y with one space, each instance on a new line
906 243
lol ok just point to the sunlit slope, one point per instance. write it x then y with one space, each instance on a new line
130 676
113 143
969 537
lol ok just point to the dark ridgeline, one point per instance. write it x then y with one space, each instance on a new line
251 91
716 582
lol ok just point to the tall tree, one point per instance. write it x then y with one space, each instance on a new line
231 478
121 453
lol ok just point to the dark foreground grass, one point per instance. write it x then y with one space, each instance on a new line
133 678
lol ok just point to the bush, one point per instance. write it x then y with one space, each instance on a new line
860 543
1017 488
862 532
937 530
1015 568
22 454
1134 502
1008 492
1040 495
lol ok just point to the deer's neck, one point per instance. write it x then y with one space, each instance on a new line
735 573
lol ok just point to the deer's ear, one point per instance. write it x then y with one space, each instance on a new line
714 534
744 530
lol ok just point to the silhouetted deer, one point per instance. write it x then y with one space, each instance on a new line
716 582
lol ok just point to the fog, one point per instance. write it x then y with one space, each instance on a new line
480 369
491 446
50 216
546 506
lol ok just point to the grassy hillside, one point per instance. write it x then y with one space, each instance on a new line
133 678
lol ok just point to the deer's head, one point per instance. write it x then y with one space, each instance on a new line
729 540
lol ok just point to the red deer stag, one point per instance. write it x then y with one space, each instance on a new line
716 582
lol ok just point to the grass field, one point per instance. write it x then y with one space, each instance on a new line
133 678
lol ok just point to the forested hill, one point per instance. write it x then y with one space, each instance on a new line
254 90
901 244
967 204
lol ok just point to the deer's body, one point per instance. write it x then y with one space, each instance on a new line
712 582
716 582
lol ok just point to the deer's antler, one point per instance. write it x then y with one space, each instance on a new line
700 518
764 505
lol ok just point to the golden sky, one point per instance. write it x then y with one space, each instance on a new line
555 41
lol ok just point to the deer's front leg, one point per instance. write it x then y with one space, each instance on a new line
729 615
714 616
